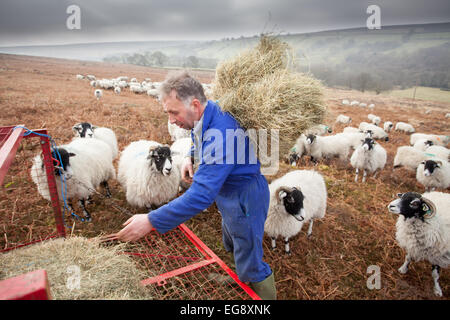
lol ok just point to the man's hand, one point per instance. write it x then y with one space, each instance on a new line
135 228
187 170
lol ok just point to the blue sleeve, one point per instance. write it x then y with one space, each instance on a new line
207 182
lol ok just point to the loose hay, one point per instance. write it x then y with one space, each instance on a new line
260 91
105 274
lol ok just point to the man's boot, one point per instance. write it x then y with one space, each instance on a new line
265 289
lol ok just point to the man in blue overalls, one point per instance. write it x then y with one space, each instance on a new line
227 174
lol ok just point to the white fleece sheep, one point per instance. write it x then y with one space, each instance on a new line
180 149
351 130
87 164
145 172
290 208
388 125
87 130
434 173
440 140
377 132
176 132
98 93
369 156
409 157
345 102
343 119
327 147
117 90
405 127
438 152
447 115
354 138
298 150
423 230
319 130
422 144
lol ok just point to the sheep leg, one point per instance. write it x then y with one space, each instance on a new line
106 186
70 205
364 176
310 228
435 274
375 174
356 175
404 268
85 212
286 246
274 243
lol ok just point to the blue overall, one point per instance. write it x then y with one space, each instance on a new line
233 180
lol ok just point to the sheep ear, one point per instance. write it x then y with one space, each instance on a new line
94 127
282 194
71 154
76 127
423 162
438 163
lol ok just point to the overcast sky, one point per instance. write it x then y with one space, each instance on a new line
33 22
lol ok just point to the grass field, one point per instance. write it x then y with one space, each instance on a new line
356 234
422 93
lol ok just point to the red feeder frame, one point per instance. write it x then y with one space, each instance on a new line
182 258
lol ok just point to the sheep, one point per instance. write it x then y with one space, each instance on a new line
85 165
343 119
326 147
80 77
98 93
438 152
295 198
371 106
133 80
345 102
423 230
374 119
298 150
354 138
423 144
117 90
145 172
153 93
176 132
388 125
447 115
440 140
351 130
354 103
405 127
136 88
408 157
434 173
87 130
180 149
363 105
369 156
319 130
93 83
90 77
377 132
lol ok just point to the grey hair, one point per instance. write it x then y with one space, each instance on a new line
185 86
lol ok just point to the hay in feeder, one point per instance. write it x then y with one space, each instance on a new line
104 272
260 91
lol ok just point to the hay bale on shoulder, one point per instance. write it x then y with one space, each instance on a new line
260 91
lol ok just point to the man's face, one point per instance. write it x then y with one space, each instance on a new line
179 114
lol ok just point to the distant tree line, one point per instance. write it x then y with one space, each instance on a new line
375 71
159 59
